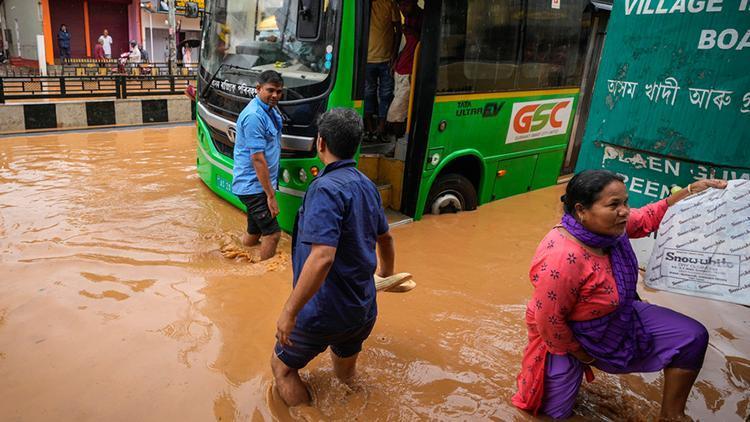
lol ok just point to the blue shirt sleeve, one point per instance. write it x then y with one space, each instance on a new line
382 222
252 133
323 218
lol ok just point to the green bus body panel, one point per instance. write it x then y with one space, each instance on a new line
676 125
476 127
480 128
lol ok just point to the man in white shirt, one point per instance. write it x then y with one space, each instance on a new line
107 44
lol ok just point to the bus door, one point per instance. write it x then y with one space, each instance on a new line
598 14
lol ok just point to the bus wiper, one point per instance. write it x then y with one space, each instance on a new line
211 79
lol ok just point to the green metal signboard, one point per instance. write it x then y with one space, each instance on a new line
671 102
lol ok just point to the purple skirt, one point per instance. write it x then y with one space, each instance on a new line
679 342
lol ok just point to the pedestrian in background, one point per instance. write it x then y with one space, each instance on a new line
106 43
340 240
99 50
63 42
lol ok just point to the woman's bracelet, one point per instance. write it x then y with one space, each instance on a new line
589 362
690 188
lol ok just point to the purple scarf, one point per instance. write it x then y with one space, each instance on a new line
618 337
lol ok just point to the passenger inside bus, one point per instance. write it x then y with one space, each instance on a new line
412 28
384 39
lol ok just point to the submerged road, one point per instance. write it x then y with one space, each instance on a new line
117 303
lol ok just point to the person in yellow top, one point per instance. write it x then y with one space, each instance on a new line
385 37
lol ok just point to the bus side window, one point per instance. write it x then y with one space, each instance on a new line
492 45
554 45
479 45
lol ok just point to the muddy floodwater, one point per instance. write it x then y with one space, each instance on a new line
117 303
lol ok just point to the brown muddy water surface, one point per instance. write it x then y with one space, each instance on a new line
116 303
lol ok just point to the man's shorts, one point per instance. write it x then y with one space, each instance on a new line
306 345
259 218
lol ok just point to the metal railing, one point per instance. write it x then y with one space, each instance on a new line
118 86
106 67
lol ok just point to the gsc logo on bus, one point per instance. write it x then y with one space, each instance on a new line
539 119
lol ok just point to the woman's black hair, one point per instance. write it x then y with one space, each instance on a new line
584 188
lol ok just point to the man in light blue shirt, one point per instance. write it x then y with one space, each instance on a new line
257 151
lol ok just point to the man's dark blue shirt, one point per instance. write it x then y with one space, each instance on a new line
342 208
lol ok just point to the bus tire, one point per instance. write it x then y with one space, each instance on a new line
451 193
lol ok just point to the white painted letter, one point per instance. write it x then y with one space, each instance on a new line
630 5
679 6
745 43
708 39
696 6
714 6
733 36
651 186
635 184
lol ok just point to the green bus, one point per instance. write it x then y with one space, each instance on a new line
495 92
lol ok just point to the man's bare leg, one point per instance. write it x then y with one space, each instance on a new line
288 383
677 385
268 245
344 368
250 239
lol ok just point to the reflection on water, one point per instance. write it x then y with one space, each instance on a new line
126 295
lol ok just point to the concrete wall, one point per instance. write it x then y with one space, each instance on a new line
87 114
23 19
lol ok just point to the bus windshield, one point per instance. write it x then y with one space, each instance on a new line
242 38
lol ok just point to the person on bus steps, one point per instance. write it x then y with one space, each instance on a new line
257 151
385 37
341 235
412 28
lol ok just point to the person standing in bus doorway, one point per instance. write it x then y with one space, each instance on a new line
385 37
63 42
412 29
257 151
106 43
340 233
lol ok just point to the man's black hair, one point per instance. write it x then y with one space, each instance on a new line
270 77
341 129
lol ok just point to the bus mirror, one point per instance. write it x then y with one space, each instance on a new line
309 18
191 9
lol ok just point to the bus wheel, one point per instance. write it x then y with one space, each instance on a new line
451 193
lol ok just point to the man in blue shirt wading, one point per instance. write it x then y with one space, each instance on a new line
257 151
339 224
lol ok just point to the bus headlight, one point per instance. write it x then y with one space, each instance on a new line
302 176
285 176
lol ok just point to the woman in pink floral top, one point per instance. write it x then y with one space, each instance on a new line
585 309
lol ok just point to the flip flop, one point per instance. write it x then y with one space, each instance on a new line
390 282
403 287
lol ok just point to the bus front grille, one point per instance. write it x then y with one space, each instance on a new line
221 142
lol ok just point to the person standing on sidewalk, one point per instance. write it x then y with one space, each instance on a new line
63 42
385 37
106 43
257 152
99 50
334 257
